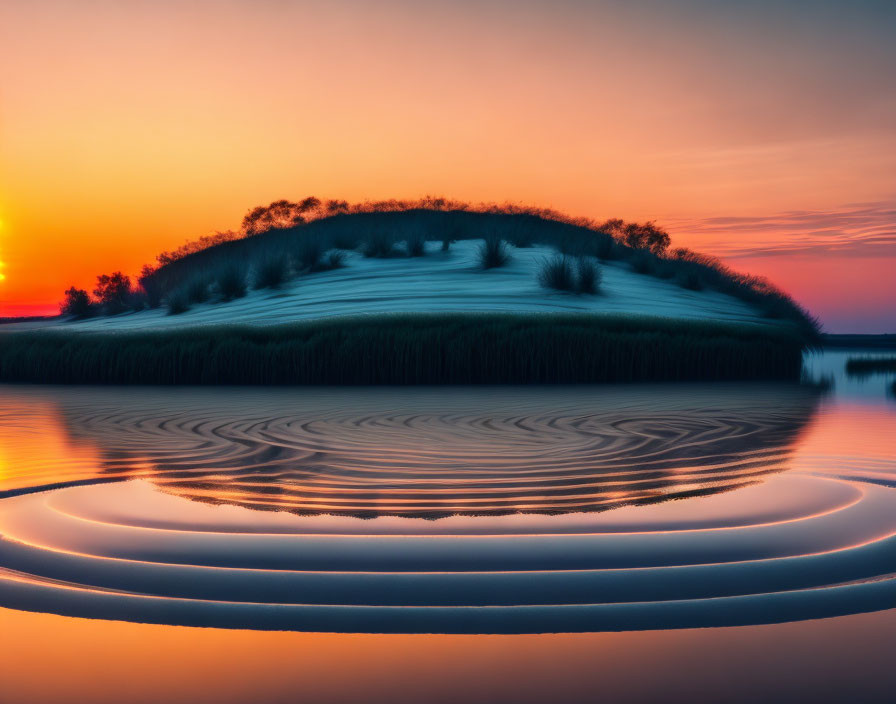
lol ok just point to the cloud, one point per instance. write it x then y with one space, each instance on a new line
857 229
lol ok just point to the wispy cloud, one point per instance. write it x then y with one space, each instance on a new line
857 229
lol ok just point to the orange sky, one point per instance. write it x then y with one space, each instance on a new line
127 128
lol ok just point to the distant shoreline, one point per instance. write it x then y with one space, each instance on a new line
850 341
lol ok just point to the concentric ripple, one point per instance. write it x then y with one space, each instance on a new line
445 511
439 453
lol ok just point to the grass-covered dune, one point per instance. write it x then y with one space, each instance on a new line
270 256
491 348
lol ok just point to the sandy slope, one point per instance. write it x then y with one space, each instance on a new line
438 282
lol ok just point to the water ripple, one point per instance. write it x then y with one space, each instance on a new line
440 511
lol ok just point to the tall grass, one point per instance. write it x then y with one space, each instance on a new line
410 349
270 272
196 290
588 276
493 253
308 255
231 282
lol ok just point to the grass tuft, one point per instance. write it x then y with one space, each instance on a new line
588 276
335 260
557 273
415 244
493 253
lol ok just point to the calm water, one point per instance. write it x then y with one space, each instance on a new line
640 543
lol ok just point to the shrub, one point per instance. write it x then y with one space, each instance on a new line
556 273
178 303
76 303
270 272
493 253
232 282
588 276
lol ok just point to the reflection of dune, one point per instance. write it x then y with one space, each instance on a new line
434 453
507 472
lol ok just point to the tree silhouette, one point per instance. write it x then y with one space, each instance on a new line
113 292
76 303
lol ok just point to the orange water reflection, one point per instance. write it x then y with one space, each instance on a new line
55 659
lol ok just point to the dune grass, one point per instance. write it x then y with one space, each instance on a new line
588 276
493 253
493 348
557 273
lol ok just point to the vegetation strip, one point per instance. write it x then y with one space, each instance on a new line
861 366
499 348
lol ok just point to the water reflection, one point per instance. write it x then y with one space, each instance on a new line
433 453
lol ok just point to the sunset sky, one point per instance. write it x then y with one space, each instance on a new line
763 131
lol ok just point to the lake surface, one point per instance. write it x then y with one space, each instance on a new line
634 543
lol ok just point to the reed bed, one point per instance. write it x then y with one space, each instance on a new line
411 349
865 366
